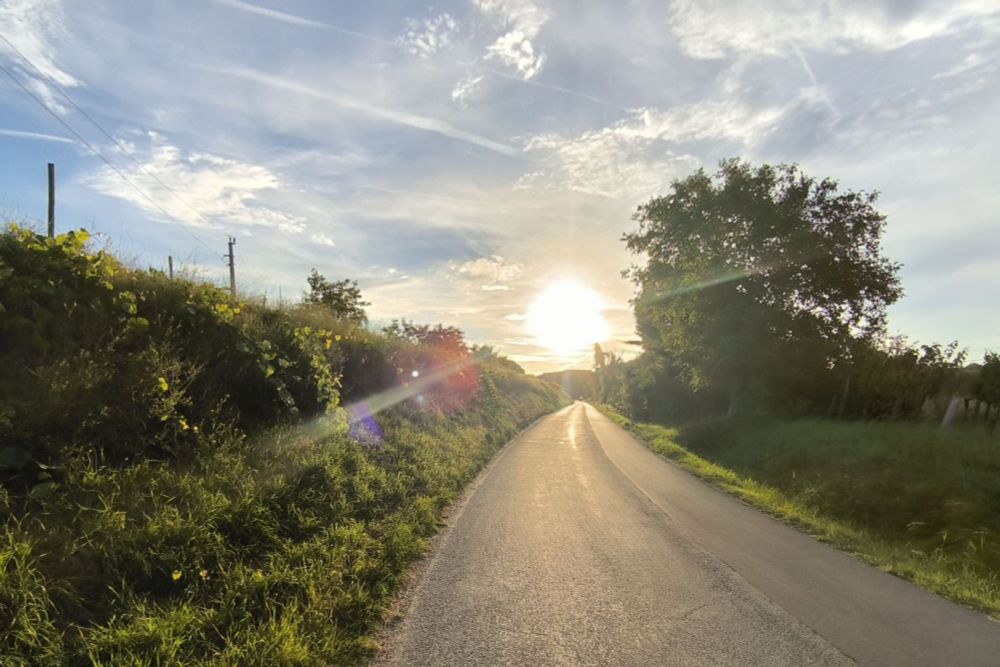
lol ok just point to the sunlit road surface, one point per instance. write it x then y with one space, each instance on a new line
582 547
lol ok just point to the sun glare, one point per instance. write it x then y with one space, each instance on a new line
566 318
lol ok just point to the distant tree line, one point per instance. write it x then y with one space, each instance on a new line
764 291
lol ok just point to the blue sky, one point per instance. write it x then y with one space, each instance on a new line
457 157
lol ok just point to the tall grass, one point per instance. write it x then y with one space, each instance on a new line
909 498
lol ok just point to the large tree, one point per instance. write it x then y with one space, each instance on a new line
758 278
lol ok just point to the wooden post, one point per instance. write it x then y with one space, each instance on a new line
170 266
232 270
52 200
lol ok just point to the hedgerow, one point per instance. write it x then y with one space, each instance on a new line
178 480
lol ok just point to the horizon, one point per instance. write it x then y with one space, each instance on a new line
457 160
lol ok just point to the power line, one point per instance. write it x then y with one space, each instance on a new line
105 160
107 134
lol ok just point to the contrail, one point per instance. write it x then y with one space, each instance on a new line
389 115
292 19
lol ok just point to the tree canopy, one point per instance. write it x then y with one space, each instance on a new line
757 277
343 297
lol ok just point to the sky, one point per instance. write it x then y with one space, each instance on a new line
456 158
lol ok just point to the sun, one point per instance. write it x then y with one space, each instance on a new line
566 318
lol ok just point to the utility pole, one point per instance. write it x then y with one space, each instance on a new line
232 270
52 200
170 266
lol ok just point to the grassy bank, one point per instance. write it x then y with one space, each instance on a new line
908 498
179 483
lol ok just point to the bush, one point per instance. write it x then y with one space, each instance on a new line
186 490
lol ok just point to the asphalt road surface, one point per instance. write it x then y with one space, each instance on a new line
579 546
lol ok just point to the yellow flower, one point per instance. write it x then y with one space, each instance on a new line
194 428
236 311
163 384
337 337
203 574
327 343
183 423
258 575
176 575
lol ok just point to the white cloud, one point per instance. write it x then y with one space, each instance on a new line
516 50
493 272
426 37
221 190
464 89
322 239
716 28
523 20
634 156
524 15
35 27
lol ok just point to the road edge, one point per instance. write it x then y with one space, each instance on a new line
394 617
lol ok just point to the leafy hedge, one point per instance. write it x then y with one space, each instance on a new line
179 485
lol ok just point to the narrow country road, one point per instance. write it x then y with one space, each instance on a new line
582 547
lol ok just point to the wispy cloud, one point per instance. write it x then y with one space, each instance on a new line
213 189
37 136
29 29
364 108
523 20
639 155
322 239
464 89
425 37
716 28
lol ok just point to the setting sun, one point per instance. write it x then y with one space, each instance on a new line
566 318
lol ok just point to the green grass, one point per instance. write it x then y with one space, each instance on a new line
908 498
283 551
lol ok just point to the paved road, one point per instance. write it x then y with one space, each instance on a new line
582 547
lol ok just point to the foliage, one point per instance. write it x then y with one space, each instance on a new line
758 278
894 379
987 388
177 485
342 297
122 362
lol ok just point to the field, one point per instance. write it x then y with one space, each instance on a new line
909 498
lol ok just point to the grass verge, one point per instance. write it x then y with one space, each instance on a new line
956 562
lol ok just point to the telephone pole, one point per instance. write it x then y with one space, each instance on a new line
232 270
52 200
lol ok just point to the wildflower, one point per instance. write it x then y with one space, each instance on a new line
183 423
337 337
236 311
258 575
176 575
194 428
163 384
203 574
327 343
